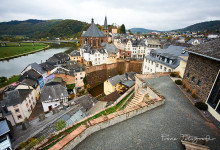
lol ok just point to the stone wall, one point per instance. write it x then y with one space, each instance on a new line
202 69
100 73
78 135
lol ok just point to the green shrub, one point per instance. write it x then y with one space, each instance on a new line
178 82
60 125
201 105
173 74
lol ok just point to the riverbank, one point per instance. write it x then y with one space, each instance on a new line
23 54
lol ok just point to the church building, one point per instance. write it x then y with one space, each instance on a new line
94 37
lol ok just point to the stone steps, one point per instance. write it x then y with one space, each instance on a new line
137 99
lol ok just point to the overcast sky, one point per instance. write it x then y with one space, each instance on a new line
149 14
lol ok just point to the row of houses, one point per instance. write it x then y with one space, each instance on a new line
45 82
198 65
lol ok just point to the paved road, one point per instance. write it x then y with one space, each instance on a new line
143 132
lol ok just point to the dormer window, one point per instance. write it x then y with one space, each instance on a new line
171 61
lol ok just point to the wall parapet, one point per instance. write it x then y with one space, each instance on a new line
91 126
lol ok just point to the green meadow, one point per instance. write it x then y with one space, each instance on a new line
13 49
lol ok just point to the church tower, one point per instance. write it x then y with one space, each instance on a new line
105 29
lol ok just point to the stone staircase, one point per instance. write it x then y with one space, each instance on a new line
137 99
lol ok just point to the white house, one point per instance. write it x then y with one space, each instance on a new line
52 96
20 102
195 41
165 60
96 56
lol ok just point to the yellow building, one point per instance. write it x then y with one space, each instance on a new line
75 55
118 83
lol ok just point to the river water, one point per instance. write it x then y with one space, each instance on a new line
16 65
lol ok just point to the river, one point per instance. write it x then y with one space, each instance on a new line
16 65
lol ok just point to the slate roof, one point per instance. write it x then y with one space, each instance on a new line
29 82
93 31
31 74
73 66
4 127
38 68
128 83
209 49
153 42
14 97
192 40
116 79
75 53
85 101
172 52
111 49
53 93
46 66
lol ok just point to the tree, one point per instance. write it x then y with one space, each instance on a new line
85 81
130 32
122 30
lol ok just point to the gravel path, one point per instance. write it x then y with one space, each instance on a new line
143 132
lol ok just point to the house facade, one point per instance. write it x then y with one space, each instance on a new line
78 71
75 55
95 56
202 74
119 83
20 102
52 96
165 60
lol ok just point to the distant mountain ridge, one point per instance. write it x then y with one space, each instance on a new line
142 30
42 28
202 26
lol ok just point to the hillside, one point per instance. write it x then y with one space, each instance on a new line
42 28
209 26
141 30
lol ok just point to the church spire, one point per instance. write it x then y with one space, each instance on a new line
105 24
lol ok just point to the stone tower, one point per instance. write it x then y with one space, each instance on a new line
105 29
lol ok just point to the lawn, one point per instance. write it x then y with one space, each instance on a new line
13 49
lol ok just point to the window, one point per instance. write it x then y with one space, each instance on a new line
75 74
193 79
160 66
157 65
19 117
81 77
76 78
80 73
17 110
165 69
188 75
128 54
199 82
169 70
152 62
150 70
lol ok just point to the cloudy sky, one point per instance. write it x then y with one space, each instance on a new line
149 14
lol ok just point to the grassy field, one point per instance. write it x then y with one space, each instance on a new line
13 49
